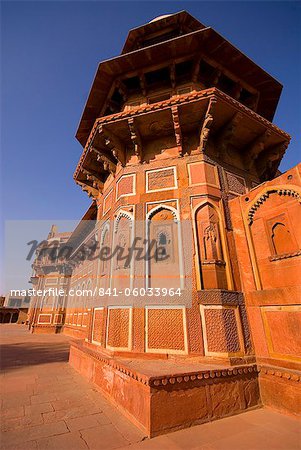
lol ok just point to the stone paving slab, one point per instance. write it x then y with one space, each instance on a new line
45 404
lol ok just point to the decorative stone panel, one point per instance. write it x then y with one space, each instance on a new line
50 281
282 326
235 183
85 319
58 319
202 173
44 318
119 328
79 319
220 297
126 186
222 330
107 202
97 325
161 179
165 330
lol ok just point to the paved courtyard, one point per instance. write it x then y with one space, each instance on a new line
45 404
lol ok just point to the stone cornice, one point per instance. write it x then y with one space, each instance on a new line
280 373
175 101
285 256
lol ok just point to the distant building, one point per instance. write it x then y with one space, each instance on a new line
17 301
14 309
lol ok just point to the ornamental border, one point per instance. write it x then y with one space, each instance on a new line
280 373
168 379
176 100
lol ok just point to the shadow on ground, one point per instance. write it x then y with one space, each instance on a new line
14 356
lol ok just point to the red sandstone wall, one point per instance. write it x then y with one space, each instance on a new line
268 241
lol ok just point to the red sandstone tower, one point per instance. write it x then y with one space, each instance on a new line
177 129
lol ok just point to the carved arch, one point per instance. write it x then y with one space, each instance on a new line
119 216
114 280
105 229
291 191
162 207
176 219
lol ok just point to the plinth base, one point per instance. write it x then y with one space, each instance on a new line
46 329
160 396
74 333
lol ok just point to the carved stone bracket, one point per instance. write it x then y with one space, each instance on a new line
226 133
268 161
207 124
93 178
113 143
91 191
177 129
136 138
255 148
107 163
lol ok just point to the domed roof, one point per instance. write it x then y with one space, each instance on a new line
172 26
160 17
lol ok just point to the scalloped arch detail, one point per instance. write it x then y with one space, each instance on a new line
162 207
263 197
105 229
120 215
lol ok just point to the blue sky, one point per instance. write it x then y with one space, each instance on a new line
50 51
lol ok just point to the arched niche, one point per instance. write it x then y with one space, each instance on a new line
164 265
122 264
105 250
211 252
274 222
282 239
